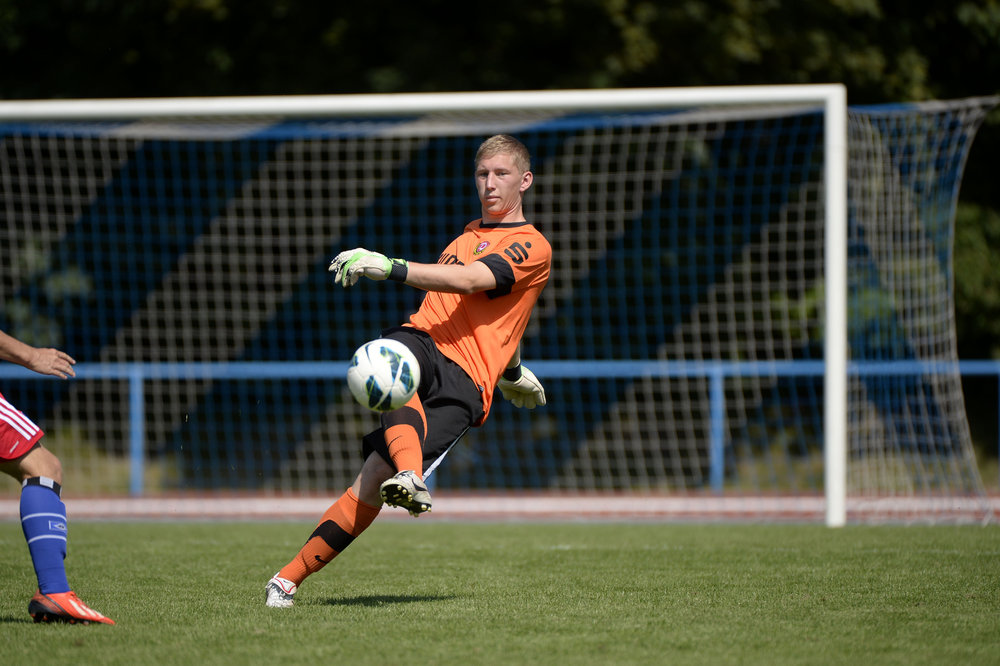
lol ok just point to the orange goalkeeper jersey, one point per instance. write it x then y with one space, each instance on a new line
480 332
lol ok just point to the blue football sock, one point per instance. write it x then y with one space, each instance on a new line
43 519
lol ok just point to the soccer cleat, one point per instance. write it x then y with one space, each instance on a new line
63 607
407 491
280 592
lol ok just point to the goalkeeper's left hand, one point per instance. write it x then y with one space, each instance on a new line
525 391
350 265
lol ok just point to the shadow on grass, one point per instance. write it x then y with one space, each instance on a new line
10 619
374 600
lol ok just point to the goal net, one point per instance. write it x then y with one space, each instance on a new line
178 251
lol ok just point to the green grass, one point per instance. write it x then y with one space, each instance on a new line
425 592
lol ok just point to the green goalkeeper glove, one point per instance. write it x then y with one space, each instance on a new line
525 390
350 265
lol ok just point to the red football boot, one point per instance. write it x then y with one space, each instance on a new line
63 607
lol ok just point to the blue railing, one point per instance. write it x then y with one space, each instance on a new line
715 371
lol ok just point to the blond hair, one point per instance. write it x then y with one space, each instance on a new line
508 145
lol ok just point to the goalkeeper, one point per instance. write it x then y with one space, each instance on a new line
466 337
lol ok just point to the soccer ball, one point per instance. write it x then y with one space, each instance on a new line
383 375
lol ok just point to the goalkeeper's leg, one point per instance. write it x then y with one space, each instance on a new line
343 522
405 430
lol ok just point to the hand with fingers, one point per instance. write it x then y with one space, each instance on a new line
351 265
52 362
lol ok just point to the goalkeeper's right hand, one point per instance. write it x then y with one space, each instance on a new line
348 267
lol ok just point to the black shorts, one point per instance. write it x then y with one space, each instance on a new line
451 400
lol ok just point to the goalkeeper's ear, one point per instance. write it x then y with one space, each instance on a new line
527 178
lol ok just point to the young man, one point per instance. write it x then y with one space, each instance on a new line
43 514
466 336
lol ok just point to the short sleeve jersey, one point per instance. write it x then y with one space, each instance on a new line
480 332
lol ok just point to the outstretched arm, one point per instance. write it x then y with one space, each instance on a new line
43 361
351 265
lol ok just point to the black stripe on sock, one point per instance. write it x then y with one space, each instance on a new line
405 416
333 534
43 481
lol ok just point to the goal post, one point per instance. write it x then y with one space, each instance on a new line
395 104
694 370
835 352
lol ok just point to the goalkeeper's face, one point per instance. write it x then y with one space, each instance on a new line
501 184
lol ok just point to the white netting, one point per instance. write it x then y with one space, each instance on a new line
688 244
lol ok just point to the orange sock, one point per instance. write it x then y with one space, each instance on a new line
405 430
346 518
405 449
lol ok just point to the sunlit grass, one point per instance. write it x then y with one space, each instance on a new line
435 592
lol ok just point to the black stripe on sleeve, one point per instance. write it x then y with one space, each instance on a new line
503 273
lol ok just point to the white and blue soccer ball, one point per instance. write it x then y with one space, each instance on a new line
383 375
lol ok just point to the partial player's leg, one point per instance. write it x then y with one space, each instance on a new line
43 521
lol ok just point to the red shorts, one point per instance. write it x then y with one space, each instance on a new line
17 433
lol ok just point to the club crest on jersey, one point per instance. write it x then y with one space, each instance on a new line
481 247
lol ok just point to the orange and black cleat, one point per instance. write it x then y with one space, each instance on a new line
63 607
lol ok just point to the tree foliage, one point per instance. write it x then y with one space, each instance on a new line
977 294
883 50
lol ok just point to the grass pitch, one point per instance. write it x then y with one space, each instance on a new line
426 592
